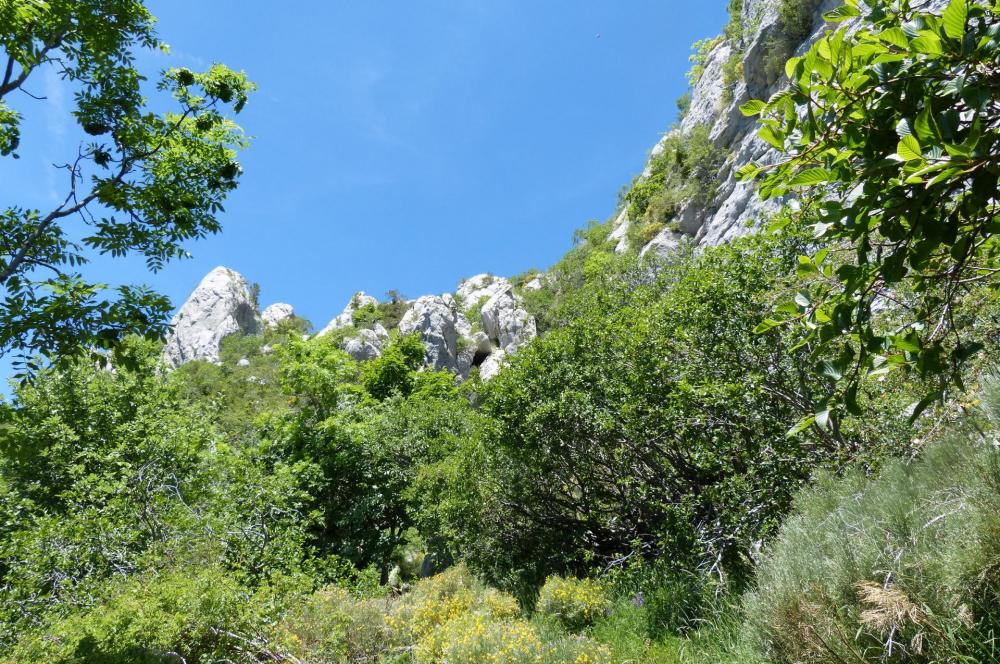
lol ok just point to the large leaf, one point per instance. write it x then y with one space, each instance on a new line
841 13
909 148
896 37
954 17
927 44
810 176
752 107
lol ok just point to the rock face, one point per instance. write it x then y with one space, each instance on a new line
368 344
346 317
440 325
474 289
506 322
276 314
535 284
221 305
736 209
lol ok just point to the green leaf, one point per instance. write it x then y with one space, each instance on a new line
909 148
752 107
823 419
748 171
841 13
801 426
904 128
955 16
791 66
920 406
909 343
805 267
768 135
928 45
830 369
896 37
926 127
766 325
810 176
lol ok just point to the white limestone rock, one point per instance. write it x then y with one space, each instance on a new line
620 232
491 365
368 344
277 313
507 323
664 243
346 317
221 305
440 325
471 291
535 284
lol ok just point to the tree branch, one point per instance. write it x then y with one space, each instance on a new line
8 72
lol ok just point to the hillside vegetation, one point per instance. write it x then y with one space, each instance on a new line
785 448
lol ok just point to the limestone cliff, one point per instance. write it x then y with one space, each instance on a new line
484 321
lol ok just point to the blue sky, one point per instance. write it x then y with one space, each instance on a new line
406 145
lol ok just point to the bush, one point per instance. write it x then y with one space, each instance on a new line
444 597
687 170
193 615
702 50
902 567
393 309
574 603
332 626
473 638
365 317
656 420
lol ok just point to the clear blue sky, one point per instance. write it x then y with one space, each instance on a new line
407 144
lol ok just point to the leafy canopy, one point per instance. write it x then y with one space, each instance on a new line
141 181
891 133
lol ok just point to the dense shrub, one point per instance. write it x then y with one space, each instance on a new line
196 615
686 170
573 603
239 392
702 50
903 567
332 625
451 617
111 474
653 421
393 309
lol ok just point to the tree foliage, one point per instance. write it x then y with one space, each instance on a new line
143 181
891 133
655 421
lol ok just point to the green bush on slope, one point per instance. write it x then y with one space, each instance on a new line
654 422
904 567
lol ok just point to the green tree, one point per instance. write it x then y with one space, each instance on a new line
654 423
111 474
143 180
891 132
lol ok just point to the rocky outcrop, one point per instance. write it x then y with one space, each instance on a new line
535 284
481 287
346 317
277 313
221 305
441 326
736 209
368 344
506 322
